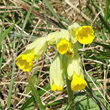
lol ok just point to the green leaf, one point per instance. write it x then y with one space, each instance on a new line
28 14
6 32
27 103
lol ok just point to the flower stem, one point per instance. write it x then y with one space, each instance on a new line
70 94
68 82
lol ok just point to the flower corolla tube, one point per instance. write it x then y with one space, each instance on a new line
57 74
67 62
32 52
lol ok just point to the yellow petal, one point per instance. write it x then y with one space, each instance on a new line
85 35
25 60
78 83
63 46
55 88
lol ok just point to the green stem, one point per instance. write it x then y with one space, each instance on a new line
68 82
70 94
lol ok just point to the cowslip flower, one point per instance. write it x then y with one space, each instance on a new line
67 62
60 39
85 35
78 83
25 60
57 74
55 37
82 34
39 46
33 51
75 73
63 46
51 38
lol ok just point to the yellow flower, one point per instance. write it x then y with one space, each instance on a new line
33 51
57 74
25 60
85 34
78 83
63 46
55 88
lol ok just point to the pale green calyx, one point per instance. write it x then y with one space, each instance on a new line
57 72
33 44
51 38
55 37
63 34
74 65
73 50
39 46
72 30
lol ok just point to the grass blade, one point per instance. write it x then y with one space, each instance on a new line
106 13
11 85
0 107
5 33
53 12
35 93
106 10
51 9
27 103
27 16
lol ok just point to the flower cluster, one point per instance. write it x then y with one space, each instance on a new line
67 62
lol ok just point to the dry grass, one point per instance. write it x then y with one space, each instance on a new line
73 11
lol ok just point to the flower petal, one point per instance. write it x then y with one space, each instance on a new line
85 35
78 83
